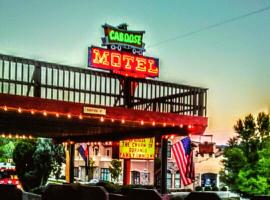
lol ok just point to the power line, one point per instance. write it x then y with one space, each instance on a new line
211 26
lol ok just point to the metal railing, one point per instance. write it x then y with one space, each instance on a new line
27 77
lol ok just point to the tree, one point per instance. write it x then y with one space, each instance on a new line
115 169
91 168
58 155
35 160
6 149
247 157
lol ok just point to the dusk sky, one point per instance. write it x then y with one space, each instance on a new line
232 59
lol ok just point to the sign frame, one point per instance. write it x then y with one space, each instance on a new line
151 141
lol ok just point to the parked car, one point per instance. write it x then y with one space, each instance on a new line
8 176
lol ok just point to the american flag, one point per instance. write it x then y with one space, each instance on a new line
184 159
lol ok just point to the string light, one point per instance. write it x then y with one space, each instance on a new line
102 119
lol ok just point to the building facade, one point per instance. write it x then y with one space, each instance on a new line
207 159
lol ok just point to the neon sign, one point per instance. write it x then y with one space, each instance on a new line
123 63
118 38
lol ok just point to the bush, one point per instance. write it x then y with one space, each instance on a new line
207 188
121 189
215 188
224 188
198 188
177 190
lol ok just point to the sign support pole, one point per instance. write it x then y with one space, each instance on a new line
127 166
164 156
70 163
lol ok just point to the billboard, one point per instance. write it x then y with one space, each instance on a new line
137 149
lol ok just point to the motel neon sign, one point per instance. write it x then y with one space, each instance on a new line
123 63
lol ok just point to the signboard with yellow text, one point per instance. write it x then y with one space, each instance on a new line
143 148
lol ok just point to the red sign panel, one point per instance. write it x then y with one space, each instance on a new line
123 63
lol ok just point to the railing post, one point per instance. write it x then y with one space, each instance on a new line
37 81
127 92
201 104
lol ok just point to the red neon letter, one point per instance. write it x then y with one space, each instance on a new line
152 69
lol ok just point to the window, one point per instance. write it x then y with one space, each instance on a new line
135 177
96 150
169 153
108 152
104 174
169 179
177 180
76 171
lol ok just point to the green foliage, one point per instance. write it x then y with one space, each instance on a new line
115 169
207 188
224 188
58 155
6 149
247 157
35 160
121 189
23 159
198 188
215 188
91 168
